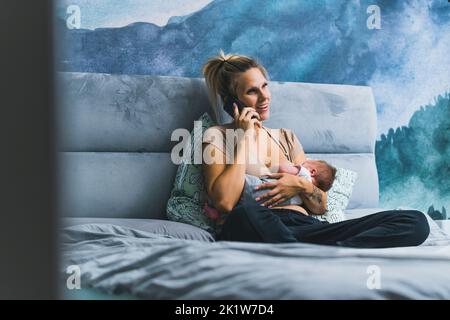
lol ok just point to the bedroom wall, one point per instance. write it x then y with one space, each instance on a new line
399 48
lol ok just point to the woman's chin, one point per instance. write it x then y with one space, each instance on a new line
264 115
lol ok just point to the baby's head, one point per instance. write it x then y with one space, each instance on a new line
322 173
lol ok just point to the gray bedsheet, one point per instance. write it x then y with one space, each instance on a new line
122 260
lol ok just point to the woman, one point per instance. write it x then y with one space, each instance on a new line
245 79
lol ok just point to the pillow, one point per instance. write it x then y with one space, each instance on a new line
338 196
164 227
188 195
437 236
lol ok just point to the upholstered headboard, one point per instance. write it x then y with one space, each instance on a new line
336 123
114 137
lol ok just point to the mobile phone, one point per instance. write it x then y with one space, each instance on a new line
229 108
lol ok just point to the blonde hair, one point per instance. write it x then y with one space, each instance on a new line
221 73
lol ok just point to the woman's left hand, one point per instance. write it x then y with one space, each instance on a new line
286 187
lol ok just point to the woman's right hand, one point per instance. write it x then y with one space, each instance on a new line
244 120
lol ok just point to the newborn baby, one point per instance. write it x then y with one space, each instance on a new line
318 172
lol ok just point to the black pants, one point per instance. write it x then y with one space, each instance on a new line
252 222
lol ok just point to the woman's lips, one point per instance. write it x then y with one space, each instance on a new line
264 107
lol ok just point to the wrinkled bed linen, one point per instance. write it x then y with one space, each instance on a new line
120 260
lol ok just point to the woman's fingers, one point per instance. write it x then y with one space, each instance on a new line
277 202
266 185
247 113
256 122
252 113
243 113
272 201
267 194
247 118
235 111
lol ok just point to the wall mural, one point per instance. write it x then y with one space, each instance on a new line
399 48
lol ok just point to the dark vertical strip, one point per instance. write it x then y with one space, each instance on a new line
28 256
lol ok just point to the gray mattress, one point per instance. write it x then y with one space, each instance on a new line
122 260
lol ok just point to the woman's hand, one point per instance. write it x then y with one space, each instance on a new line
244 120
286 187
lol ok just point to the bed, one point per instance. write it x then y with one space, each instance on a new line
116 174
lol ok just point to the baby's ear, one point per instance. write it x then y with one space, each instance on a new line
313 172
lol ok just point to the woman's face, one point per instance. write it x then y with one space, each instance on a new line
252 89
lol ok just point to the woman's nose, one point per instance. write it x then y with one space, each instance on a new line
264 95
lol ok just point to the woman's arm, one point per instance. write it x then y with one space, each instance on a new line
313 198
225 182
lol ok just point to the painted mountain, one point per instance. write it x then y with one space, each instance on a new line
306 41
406 62
414 161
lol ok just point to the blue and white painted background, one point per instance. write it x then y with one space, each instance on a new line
399 48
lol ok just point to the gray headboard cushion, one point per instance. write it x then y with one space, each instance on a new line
114 137
326 118
122 113
115 185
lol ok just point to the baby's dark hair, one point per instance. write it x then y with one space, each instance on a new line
325 175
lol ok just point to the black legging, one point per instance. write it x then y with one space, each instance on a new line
252 222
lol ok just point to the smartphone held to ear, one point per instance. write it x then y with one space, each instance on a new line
229 107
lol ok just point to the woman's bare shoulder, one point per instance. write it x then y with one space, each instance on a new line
221 127
216 134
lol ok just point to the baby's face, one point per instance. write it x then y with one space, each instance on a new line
312 166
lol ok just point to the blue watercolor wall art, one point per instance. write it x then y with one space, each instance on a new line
399 48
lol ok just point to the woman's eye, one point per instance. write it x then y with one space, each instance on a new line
253 90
